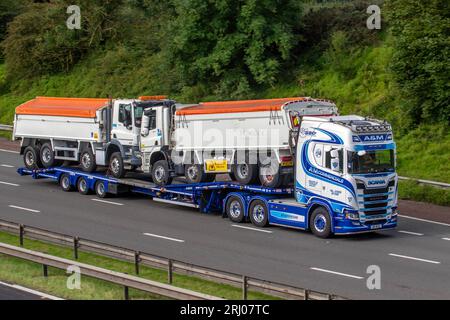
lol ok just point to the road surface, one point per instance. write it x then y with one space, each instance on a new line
15 292
414 259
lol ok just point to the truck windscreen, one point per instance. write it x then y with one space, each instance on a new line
372 161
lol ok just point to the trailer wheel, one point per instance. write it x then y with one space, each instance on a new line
31 158
116 165
87 160
100 189
245 173
64 182
235 209
259 213
82 186
320 222
160 173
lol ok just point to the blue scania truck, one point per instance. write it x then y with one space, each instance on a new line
344 182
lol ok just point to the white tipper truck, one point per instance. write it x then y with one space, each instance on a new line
246 139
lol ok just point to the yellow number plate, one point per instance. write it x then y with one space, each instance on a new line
216 165
287 164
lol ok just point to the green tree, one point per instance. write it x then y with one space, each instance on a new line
421 56
233 44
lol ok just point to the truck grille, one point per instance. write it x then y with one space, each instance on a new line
373 198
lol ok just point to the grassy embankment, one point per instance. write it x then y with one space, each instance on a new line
30 275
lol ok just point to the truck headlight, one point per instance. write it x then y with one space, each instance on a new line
351 215
394 212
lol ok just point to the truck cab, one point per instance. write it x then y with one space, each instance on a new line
346 168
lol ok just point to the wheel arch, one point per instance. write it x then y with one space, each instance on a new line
253 199
316 203
240 196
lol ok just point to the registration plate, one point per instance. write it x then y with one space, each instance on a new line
216 165
376 226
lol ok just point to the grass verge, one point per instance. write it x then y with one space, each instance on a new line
30 275
412 190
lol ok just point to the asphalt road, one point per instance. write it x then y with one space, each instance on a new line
414 259
14 292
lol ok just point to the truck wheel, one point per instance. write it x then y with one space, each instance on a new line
116 165
245 173
268 179
320 223
64 182
235 209
31 158
87 160
194 173
82 186
259 214
100 189
160 173
47 156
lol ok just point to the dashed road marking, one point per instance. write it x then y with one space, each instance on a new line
6 166
413 258
250 228
425 220
337 273
448 239
411 233
9 184
108 202
24 209
162 237
9 151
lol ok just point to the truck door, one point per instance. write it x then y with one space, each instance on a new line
151 131
122 129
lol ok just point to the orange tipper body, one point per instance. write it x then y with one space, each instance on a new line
62 107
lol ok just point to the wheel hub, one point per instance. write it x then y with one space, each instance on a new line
29 158
115 166
46 155
159 173
235 209
320 223
86 160
258 213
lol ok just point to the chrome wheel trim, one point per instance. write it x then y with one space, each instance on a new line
83 185
235 209
159 173
65 182
29 159
86 160
46 155
115 165
258 213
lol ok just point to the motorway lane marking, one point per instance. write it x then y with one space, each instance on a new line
22 208
250 228
37 293
162 237
411 233
6 166
10 151
10 184
413 258
448 239
337 273
425 220
108 202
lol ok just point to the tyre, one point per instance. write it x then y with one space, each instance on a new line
245 173
87 160
160 173
31 158
235 209
320 222
47 156
83 186
194 173
116 165
64 182
100 189
259 213
268 178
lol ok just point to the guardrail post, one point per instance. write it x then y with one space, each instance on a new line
45 270
137 259
169 271
306 295
76 245
244 287
126 293
21 233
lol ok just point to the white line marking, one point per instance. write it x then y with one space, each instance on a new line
337 273
425 220
448 239
250 228
162 237
6 166
25 209
37 293
108 202
413 258
10 184
411 233
3 150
